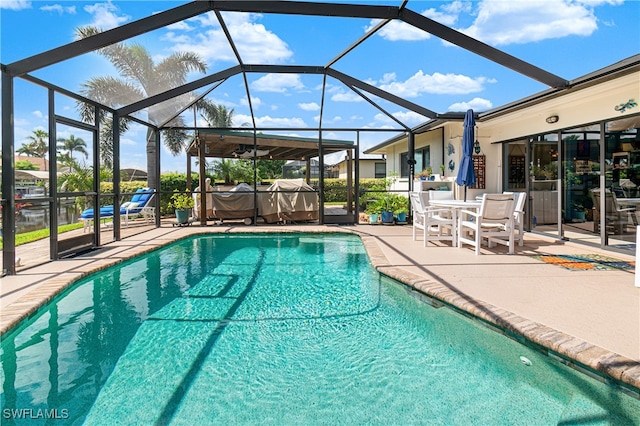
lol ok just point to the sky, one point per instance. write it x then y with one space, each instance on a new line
569 38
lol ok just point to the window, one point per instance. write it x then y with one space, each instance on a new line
380 170
423 160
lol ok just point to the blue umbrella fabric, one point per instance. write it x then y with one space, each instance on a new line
466 175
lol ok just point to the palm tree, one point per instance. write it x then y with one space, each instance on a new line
223 169
216 115
70 145
38 147
141 77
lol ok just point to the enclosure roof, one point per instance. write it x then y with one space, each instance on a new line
161 107
232 144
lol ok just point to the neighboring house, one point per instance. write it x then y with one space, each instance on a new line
372 166
296 169
41 163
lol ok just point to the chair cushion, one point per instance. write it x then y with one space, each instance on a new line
106 211
136 197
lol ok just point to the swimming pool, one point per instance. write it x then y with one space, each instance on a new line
278 329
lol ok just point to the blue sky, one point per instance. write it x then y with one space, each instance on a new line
569 38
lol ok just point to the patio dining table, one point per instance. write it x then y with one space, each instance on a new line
455 206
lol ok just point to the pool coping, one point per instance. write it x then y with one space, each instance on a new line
599 363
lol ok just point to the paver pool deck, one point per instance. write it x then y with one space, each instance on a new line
587 318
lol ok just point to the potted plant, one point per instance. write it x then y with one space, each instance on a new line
387 213
577 211
400 208
182 202
442 171
424 174
374 209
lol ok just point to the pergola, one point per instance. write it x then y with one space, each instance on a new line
172 103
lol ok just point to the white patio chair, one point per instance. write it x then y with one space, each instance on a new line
493 222
436 223
440 195
518 215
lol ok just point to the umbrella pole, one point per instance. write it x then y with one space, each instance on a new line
465 193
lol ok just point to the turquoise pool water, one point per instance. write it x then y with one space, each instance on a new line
277 329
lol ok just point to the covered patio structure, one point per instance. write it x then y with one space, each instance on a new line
215 143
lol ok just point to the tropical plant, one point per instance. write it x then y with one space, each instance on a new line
182 200
216 115
141 77
223 170
38 147
25 165
376 206
270 169
69 145
424 173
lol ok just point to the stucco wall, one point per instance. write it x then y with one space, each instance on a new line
574 108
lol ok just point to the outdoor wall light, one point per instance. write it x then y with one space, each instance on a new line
552 119
476 147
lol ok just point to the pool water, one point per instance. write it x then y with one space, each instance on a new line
278 329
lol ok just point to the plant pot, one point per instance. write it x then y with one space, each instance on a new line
182 215
387 218
373 218
401 217
578 215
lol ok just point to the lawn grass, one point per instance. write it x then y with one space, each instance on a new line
29 237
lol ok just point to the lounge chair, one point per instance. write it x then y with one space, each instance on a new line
140 204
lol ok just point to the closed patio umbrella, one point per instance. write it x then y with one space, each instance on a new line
466 175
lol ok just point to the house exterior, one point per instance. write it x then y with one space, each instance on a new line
369 167
558 145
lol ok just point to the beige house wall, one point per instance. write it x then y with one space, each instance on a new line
367 169
573 108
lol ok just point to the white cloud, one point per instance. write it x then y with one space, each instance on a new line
268 121
15 4
309 106
436 83
38 113
500 22
255 102
397 30
278 83
204 36
105 15
476 104
59 9
326 120
180 26
408 118
128 142
339 95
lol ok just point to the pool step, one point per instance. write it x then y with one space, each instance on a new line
582 411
